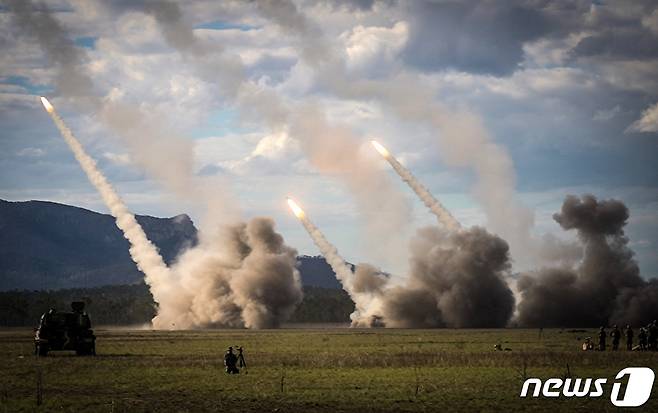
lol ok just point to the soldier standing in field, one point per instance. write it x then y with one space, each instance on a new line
642 338
230 360
629 338
602 336
616 336
652 335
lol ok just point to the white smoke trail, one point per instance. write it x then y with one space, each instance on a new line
442 214
142 251
330 253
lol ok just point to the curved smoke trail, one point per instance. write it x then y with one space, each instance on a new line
343 271
142 251
442 214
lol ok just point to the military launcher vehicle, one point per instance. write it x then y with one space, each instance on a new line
65 331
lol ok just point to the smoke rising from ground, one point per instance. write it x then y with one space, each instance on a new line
442 214
245 277
604 288
456 280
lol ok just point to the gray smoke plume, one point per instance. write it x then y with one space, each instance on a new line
246 277
59 49
456 280
251 283
604 288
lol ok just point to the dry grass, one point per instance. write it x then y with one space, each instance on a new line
306 370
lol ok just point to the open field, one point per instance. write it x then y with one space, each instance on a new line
307 370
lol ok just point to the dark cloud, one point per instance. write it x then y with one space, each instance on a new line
478 37
487 37
611 42
60 49
616 31
605 288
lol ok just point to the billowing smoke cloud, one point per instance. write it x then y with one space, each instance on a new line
251 283
442 214
456 280
605 288
246 277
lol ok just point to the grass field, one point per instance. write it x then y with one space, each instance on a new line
330 370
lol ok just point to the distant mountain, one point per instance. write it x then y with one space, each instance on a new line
46 245
316 272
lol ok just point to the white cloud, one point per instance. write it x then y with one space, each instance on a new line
369 48
118 158
648 122
31 152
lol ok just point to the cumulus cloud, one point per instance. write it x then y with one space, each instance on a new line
618 32
648 122
371 48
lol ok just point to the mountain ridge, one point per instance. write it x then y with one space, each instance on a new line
47 245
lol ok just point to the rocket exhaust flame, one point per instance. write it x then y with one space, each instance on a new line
442 214
382 151
47 105
296 209
142 251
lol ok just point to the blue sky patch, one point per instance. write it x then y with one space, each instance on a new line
222 25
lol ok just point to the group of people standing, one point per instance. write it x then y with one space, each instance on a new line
647 338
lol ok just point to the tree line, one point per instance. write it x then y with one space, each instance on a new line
133 304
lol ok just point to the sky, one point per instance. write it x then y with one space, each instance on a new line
205 108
